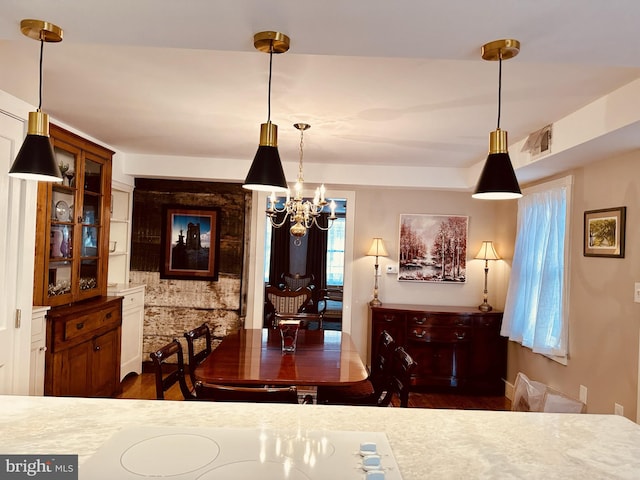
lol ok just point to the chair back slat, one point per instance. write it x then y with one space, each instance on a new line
403 367
169 358
198 347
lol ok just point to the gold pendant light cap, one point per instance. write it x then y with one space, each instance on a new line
268 135
41 30
507 48
498 142
266 41
38 124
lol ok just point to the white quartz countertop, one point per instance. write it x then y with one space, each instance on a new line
426 443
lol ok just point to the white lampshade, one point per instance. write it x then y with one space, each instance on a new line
377 248
487 252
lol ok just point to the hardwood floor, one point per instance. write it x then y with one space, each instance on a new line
144 387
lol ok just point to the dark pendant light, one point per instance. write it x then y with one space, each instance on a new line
36 159
266 173
498 180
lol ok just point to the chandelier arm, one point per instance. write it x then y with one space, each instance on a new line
274 223
324 229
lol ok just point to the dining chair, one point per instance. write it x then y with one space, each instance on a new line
403 367
169 370
376 390
198 338
285 302
293 281
257 394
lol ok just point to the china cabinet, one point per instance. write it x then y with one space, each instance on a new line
72 224
456 348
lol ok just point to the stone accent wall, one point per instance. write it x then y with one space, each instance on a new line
173 307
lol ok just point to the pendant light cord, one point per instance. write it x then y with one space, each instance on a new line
499 86
40 91
270 65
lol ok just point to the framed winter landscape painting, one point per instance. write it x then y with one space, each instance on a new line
433 248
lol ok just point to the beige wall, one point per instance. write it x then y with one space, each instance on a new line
604 320
378 215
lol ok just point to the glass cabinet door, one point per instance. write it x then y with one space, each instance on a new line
61 274
92 226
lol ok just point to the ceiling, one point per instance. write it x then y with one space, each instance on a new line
381 83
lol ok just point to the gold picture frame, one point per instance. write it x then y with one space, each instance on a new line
604 232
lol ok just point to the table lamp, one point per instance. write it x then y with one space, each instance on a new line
377 250
486 253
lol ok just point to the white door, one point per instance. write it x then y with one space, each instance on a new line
17 233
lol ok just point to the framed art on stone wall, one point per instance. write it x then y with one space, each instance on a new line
190 243
604 232
433 248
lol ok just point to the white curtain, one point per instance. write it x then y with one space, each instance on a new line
535 313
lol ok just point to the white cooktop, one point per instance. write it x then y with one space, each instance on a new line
191 453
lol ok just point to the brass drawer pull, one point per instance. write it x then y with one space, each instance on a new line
79 325
97 348
109 314
460 336
419 334
420 321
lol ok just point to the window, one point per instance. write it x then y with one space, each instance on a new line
335 253
536 309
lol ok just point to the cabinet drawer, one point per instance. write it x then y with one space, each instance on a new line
132 300
489 321
431 319
387 317
86 325
440 334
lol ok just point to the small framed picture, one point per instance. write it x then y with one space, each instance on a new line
604 232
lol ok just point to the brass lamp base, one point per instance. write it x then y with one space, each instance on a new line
375 302
485 307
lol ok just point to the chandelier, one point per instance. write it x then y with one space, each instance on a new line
302 214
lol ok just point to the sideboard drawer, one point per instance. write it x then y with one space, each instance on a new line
440 334
427 319
85 326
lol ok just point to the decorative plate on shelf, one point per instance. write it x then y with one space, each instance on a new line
62 211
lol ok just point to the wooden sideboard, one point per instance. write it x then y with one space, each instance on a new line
457 348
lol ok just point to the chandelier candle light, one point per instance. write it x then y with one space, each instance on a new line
377 250
486 253
302 214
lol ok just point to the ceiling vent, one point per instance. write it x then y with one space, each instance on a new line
539 142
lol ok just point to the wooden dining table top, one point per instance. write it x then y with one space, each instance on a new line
254 357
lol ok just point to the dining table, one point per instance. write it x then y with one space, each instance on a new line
255 357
